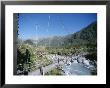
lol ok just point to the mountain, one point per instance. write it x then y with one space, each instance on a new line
87 35
84 36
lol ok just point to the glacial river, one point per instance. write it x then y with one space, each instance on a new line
76 69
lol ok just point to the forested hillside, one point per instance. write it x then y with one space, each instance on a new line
87 35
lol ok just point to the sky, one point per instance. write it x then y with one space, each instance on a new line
40 25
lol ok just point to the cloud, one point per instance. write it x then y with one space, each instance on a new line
48 23
49 17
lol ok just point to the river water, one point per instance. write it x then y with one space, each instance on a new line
76 69
79 65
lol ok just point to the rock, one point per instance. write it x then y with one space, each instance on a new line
80 59
86 62
75 61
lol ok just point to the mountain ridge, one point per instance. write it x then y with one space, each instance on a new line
87 35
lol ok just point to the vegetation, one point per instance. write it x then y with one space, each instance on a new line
31 56
54 72
28 58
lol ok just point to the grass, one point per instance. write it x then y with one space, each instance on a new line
55 71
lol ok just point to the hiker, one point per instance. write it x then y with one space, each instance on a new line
58 60
41 70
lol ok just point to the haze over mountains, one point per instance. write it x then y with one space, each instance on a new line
84 36
87 35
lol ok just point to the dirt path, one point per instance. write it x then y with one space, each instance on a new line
46 69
